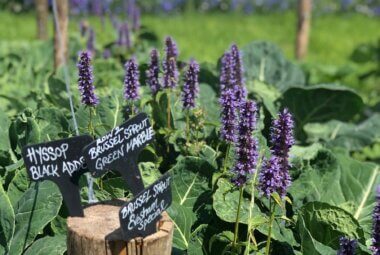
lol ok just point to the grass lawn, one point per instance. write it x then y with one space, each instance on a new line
206 36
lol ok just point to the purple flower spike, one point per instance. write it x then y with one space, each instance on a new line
282 140
85 80
237 74
136 16
247 145
376 225
191 86
170 78
226 71
153 72
131 81
269 178
124 38
347 246
228 115
170 48
91 41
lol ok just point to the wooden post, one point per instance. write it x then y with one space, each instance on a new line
99 233
60 33
42 19
303 27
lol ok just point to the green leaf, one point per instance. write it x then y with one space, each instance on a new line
36 208
7 220
48 245
183 219
320 225
191 190
350 136
265 62
225 203
191 178
18 186
52 123
341 181
321 103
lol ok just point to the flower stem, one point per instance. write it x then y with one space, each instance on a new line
226 157
187 128
238 217
271 209
169 110
90 126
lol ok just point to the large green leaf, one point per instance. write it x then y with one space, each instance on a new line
18 186
342 181
321 103
320 225
265 62
225 203
191 189
7 220
49 245
191 178
183 219
347 135
36 208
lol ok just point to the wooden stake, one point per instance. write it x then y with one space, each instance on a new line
61 33
42 19
303 27
99 233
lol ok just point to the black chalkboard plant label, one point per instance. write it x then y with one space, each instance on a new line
60 161
119 149
139 217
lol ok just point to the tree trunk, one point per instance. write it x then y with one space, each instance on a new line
303 27
60 33
42 19
99 233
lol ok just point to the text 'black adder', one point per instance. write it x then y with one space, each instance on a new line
62 162
119 149
138 217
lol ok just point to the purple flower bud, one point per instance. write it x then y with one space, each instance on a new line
85 80
282 140
269 178
226 71
247 145
136 16
170 78
107 53
228 115
191 86
124 38
153 72
83 28
170 48
91 41
376 225
131 81
347 246
237 74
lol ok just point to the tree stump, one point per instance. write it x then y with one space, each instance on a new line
99 233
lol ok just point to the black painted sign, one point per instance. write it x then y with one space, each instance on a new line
139 217
60 161
119 149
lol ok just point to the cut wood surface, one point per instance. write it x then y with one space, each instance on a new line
99 233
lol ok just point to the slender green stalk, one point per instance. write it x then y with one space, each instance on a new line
90 126
271 209
132 110
187 128
169 110
252 205
236 234
226 157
